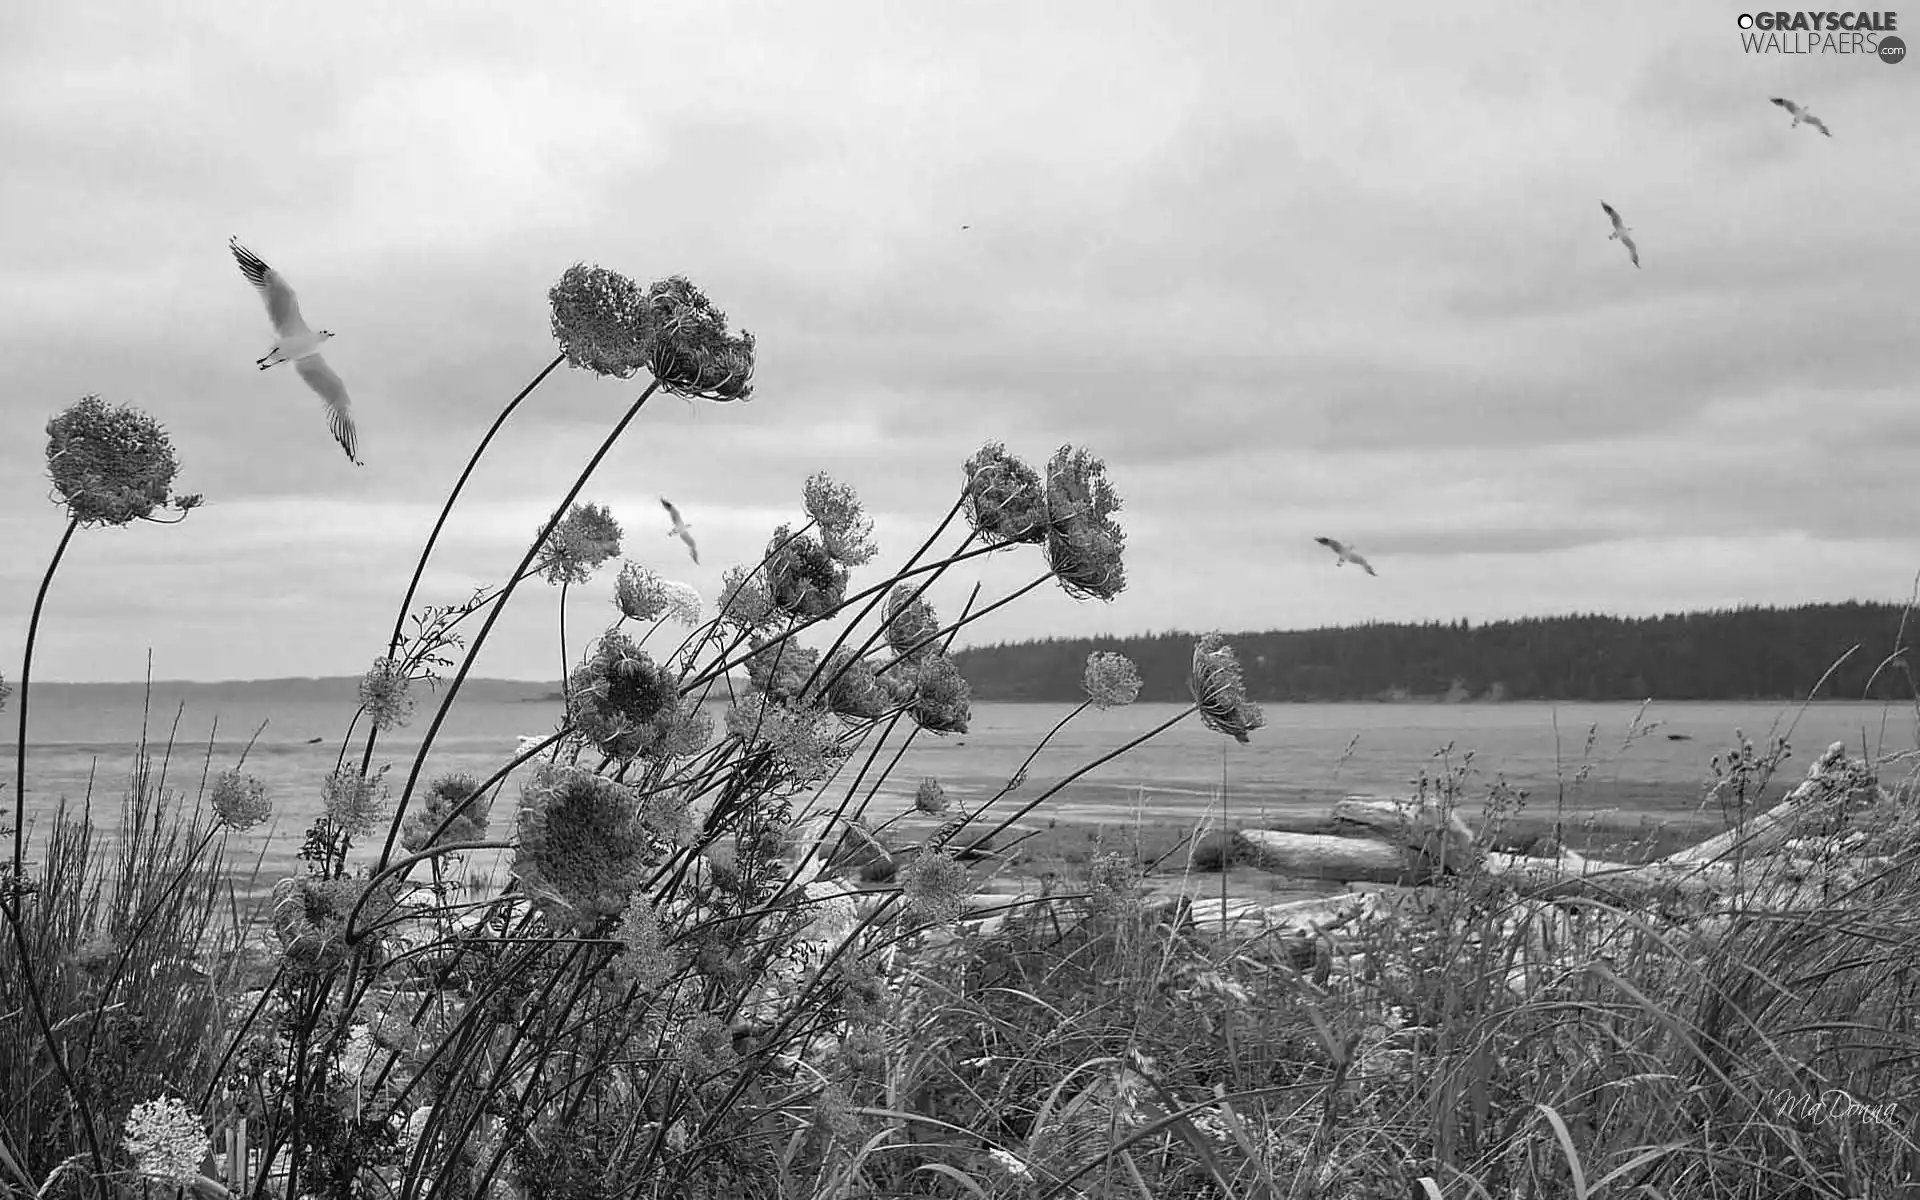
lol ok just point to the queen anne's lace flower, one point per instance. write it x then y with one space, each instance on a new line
683 602
692 354
168 1143
384 694
240 801
930 798
781 669
640 593
600 321
111 466
942 701
935 885
845 529
911 624
1004 502
802 578
1112 680
1219 690
744 599
586 537
581 845
353 801
309 917
442 797
621 700
851 689
1084 543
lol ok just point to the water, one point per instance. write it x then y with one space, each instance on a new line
1306 756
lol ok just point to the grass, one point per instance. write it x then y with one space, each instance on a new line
709 971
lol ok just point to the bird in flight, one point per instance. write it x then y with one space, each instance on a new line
679 529
1802 117
1621 232
1346 554
299 345
966 227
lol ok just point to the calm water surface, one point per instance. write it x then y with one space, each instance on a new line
1654 761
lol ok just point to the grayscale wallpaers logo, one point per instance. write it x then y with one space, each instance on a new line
1869 34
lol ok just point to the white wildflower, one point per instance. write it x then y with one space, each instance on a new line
1010 1163
166 1140
682 602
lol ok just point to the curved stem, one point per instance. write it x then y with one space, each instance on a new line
1102 761
500 606
566 692
26 678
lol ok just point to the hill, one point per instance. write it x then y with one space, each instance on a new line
1748 653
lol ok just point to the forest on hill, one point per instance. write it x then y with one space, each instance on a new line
1748 653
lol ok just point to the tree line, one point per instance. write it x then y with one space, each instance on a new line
1746 653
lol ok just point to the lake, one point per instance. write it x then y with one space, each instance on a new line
1305 757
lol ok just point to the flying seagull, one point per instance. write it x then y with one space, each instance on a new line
1802 117
299 345
1620 232
1346 554
679 529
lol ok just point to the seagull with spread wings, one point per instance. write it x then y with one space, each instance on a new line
1802 117
1346 554
300 345
679 529
1621 232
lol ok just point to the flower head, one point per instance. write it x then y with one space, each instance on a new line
689 731
352 800
911 624
781 669
1219 690
383 693
683 602
240 801
621 700
942 701
111 466
935 884
805 742
802 578
167 1141
586 537
852 690
692 354
309 917
744 599
581 845
1112 679
445 795
640 593
930 798
1083 541
644 960
600 321
845 529
1005 503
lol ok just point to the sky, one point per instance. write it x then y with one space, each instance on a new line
1289 270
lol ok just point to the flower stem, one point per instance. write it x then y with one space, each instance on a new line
1104 759
26 678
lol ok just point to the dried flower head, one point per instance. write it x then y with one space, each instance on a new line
930 798
692 353
309 917
1220 692
581 845
805 742
586 537
667 815
1111 879
942 701
683 602
383 693
845 529
447 794
1005 503
852 690
640 593
644 960
600 321
1084 543
802 578
240 801
111 466
688 733
353 801
911 625
1112 679
935 885
166 1140
621 700
781 669
744 599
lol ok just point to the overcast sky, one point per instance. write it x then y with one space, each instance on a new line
1290 269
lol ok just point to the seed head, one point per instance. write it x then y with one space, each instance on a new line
942 701
111 466
852 690
581 845
936 885
1004 502
802 578
930 798
781 669
309 917
689 731
1112 679
744 599
640 593
621 700
240 801
586 537
383 693
1084 543
167 1142
600 321
911 625
692 354
683 603
353 801
1219 690
644 960
845 529
445 795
